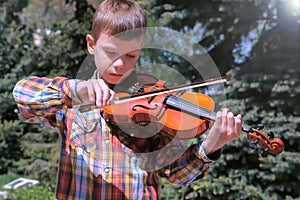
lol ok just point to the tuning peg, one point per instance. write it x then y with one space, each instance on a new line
260 126
270 135
253 145
264 153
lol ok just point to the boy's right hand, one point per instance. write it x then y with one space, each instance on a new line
94 91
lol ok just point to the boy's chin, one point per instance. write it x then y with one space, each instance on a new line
111 82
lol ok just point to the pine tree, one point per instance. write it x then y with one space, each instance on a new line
264 89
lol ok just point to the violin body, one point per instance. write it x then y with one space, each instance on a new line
174 122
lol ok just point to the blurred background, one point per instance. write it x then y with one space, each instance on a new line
256 41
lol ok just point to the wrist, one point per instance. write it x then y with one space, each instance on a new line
202 154
211 154
73 85
208 146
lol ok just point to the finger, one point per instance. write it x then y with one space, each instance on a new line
218 121
112 96
239 116
91 92
238 124
230 119
99 93
224 118
105 92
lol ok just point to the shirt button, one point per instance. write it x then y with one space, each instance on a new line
106 170
107 141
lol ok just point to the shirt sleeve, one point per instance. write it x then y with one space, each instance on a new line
38 98
191 166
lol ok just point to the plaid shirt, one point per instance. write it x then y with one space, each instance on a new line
99 160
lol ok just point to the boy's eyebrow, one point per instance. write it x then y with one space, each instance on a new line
115 50
107 48
108 45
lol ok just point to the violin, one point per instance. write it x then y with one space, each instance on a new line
186 115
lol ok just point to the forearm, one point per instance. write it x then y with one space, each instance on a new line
192 165
39 98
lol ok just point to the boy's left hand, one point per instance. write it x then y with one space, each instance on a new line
226 128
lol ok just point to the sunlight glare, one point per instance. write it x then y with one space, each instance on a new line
294 4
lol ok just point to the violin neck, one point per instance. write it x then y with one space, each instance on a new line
195 110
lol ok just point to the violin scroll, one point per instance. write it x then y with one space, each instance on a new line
267 143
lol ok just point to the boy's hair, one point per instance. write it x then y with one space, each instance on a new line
115 16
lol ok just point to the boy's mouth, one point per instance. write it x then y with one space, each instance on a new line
118 75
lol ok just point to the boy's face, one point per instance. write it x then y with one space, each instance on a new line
114 58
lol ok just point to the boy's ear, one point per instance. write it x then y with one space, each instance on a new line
90 43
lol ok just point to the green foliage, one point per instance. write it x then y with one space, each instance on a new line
11 43
40 147
37 192
10 132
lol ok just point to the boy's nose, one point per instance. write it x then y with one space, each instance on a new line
119 63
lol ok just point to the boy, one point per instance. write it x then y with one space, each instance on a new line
98 160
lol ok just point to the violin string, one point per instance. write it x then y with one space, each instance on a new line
189 107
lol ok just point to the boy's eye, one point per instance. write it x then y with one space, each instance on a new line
110 52
131 55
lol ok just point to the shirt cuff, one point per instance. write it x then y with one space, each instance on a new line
211 158
69 94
